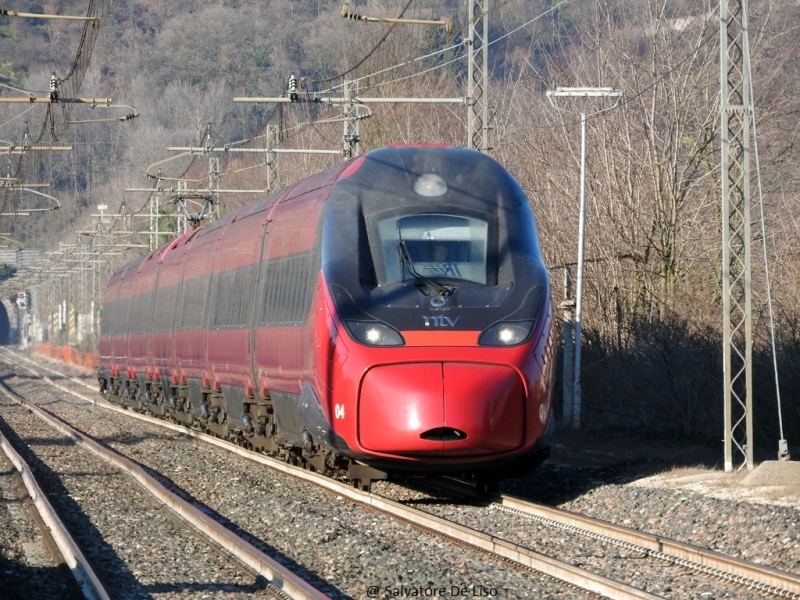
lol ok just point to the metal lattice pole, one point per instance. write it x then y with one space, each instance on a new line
478 66
273 172
351 136
214 187
736 240
155 209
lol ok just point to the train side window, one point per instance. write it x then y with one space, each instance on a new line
164 308
234 290
140 313
288 286
121 325
108 320
192 309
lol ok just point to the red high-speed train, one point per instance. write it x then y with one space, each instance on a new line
392 313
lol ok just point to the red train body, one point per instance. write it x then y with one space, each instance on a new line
391 313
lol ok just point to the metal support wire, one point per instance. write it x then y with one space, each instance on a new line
783 445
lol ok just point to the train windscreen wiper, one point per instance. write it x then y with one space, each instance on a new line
408 263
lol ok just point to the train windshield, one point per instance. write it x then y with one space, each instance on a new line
434 246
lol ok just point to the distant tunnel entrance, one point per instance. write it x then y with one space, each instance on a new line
5 326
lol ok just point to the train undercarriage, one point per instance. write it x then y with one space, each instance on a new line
258 430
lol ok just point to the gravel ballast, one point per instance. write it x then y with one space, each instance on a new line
346 550
350 549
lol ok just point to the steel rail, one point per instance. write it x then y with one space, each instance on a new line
278 575
749 574
491 544
81 570
754 576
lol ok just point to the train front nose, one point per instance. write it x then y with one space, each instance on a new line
441 409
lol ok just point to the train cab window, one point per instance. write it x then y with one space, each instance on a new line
434 245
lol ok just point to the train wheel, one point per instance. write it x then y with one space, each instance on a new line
332 465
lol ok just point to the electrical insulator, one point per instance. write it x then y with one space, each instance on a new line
53 87
292 89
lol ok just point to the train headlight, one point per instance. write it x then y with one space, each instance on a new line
373 333
506 334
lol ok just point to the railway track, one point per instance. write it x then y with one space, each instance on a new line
748 575
339 541
266 573
39 538
755 580
752 577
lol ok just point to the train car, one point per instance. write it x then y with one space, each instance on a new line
391 314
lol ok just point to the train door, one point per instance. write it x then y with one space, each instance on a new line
261 217
235 275
180 257
142 311
165 308
290 265
191 321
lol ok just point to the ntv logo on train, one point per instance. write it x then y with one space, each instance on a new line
440 321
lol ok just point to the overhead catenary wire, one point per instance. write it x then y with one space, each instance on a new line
444 50
67 87
370 53
14 118
454 32
307 115
21 90
629 98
